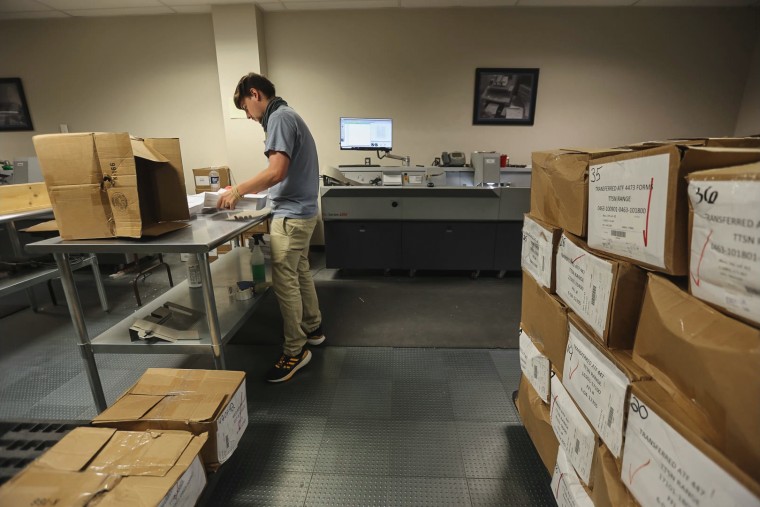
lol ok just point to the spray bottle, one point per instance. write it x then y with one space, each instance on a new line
258 266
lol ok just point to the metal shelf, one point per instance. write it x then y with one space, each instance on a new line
32 277
230 268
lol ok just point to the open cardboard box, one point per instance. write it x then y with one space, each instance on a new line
105 185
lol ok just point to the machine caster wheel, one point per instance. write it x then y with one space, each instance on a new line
475 274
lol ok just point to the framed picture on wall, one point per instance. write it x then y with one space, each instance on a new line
505 96
14 113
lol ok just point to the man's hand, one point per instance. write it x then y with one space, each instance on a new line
229 199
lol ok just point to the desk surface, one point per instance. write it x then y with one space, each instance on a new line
203 234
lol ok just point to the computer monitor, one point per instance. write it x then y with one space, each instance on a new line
369 134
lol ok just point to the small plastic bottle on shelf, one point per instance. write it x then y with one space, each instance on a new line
193 272
213 179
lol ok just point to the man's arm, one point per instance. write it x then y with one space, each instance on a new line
279 162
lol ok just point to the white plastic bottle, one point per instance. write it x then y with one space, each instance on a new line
258 265
193 272
213 179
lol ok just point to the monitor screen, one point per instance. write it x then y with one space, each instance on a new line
366 134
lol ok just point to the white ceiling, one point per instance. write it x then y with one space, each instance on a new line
26 9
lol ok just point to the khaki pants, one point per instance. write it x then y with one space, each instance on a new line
291 279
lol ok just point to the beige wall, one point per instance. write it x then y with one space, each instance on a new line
748 122
150 76
608 76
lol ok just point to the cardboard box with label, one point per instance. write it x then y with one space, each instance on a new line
105 185
113 468
606 293
535 417
535 366
666 460
573 432
539 246
544 320
559 186
199 401
567 489
724 265
609 490
712 359
599 381
203 181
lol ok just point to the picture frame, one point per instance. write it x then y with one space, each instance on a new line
505 96
14 112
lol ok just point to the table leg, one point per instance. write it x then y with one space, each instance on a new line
18 251
99 282
77 318
211 315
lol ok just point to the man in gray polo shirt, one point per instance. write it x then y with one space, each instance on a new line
293 179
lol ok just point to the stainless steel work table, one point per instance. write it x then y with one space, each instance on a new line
31 277
204 233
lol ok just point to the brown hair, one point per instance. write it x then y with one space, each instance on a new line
255 81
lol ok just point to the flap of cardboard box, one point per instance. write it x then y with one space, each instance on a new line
142 150
49 226
748 172
76 449
151 453
41 486
195 407
128 408
163 381
597 152
700 158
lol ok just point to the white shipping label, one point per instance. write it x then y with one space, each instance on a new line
598 387
661 467
188 488
202 181
537 252
572 430
628 208
231 424
535 366
725 245
584 282
567 489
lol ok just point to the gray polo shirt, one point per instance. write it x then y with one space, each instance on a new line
296 195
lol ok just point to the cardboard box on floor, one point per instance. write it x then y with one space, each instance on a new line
668 458
539 247
606 293
609 490
112 468
725 238
559 186
202 181
105 185
599 381
199 401
711 359
535 417
544 319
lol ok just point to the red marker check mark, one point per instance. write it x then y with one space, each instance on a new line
701 256
631 475
573 261
649 203
573 372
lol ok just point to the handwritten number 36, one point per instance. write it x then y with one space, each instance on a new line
707 195
639 408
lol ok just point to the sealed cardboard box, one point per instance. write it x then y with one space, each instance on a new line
539 247
544 320
638 210
199 401
567 488
714 360
535 417
599 381
725 239
606 293
559 186
573 432
667 461
105 185
203 182
609 490
535 366
112 468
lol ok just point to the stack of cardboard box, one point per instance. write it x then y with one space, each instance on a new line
639 340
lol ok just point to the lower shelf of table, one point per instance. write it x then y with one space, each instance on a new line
225 272
30 277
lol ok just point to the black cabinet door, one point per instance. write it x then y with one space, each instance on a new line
508 246
449 245
363 245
